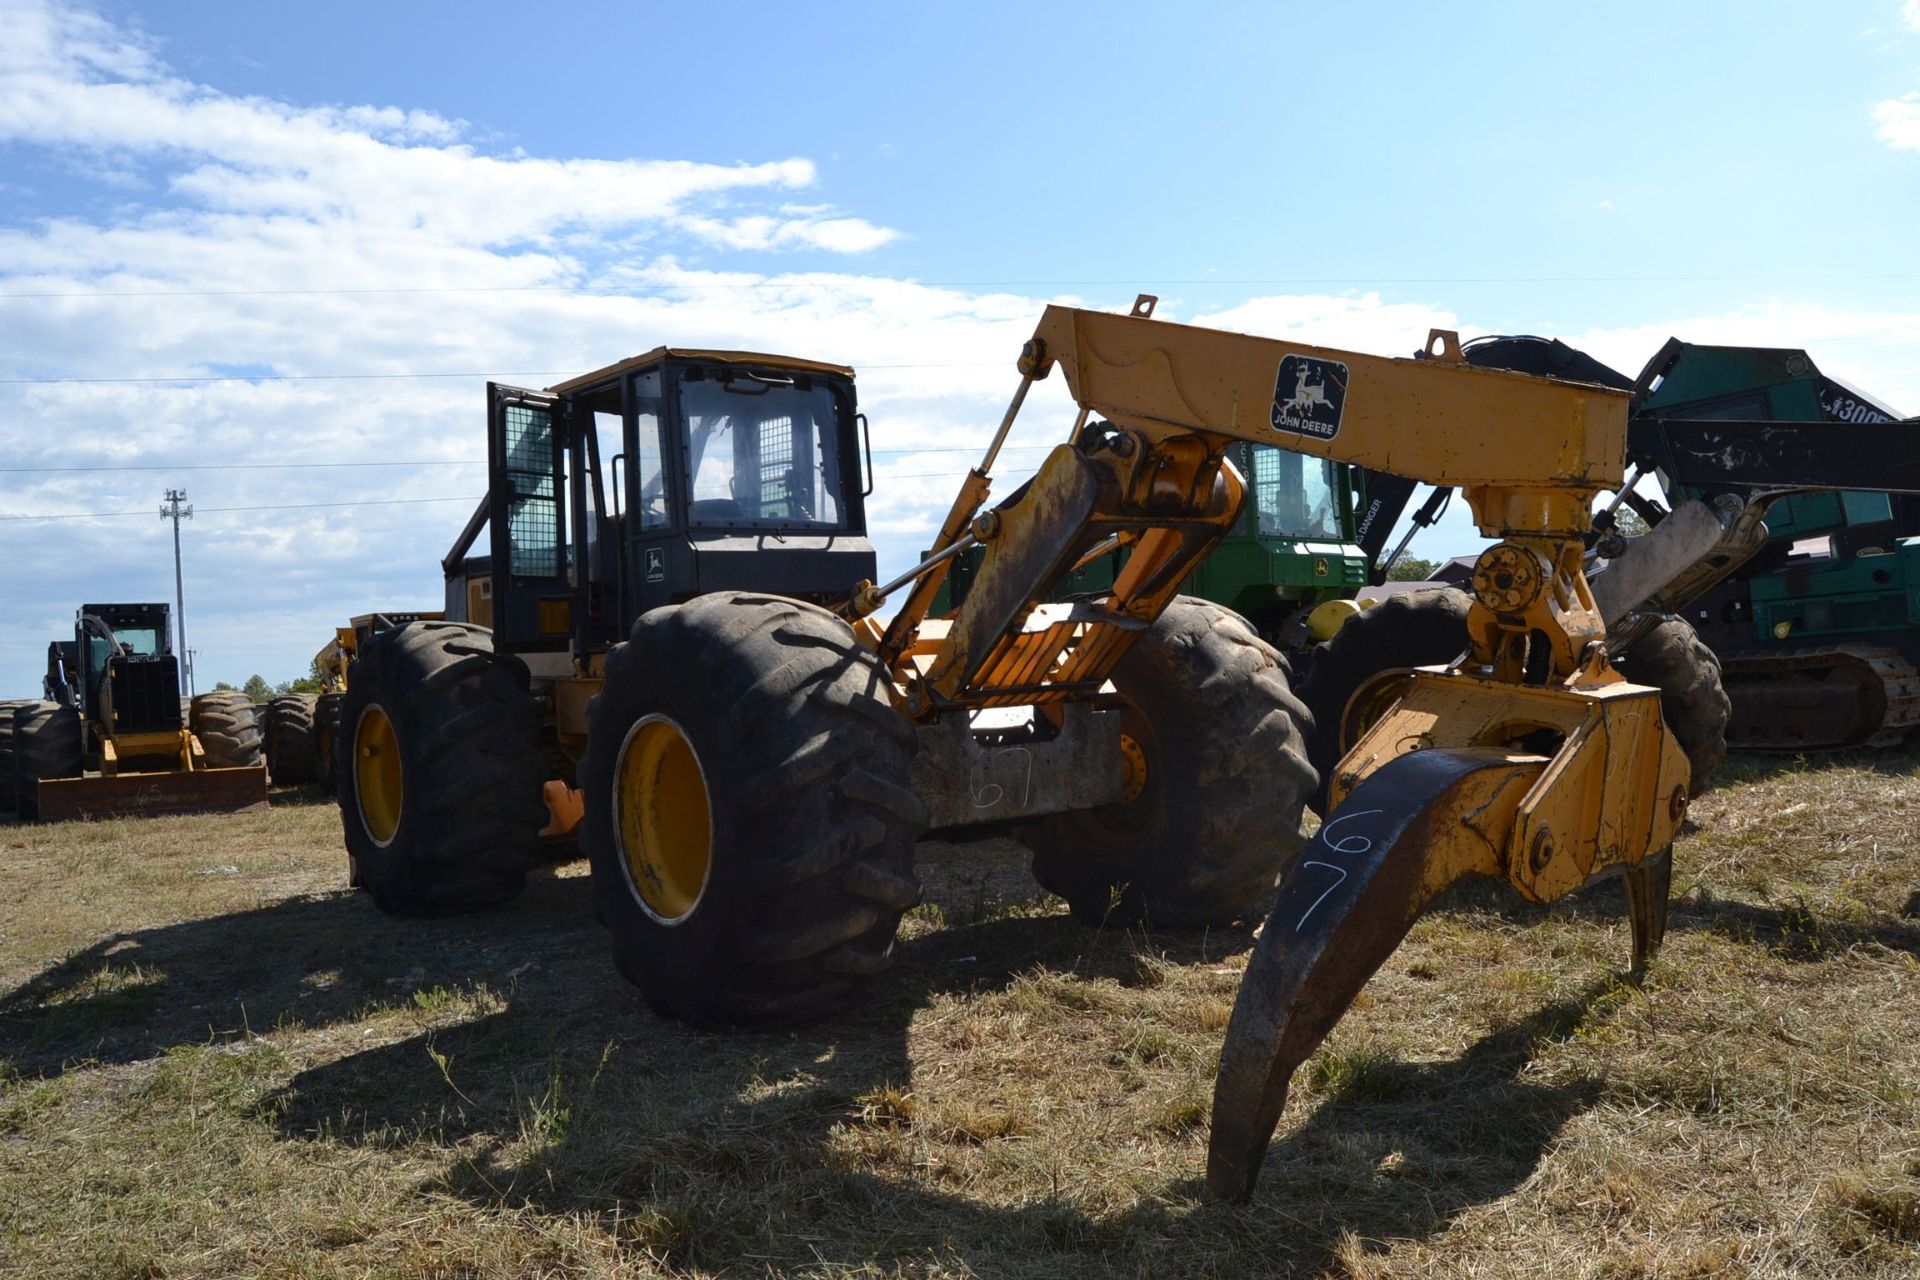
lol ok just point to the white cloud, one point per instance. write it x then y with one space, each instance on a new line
1897 122
224 209
1355 322
68 80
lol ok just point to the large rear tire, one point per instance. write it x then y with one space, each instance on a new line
46 744
1693 700
293 755
439 765
749 813
228 726
1217 751
326 727
1407 629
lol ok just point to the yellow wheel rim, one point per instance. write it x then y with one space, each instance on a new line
663 819
376 774
1133 768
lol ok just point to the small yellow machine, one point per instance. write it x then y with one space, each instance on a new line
113 736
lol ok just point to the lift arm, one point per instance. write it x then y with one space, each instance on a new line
1146 466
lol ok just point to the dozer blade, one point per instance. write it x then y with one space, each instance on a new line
1403 836
147 794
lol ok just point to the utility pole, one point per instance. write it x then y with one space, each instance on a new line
172 510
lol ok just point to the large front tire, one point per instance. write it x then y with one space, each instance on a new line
749 815
439 766
6 749
1217 752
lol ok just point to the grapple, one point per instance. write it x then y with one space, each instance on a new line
1547 786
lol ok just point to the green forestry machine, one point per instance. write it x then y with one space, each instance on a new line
1819 634
1303 546
1817 628
113 736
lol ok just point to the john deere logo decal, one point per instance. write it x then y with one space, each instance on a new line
656 565
1308 395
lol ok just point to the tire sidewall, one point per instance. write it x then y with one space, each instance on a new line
374 685
668 955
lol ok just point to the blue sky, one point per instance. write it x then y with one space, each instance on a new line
431 188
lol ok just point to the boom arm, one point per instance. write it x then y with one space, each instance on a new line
1437 420
1147 467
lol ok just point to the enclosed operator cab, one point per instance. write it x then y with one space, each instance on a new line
121 672
668 476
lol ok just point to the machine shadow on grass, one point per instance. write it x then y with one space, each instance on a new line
1790 930
307 962
748 1152
561 1095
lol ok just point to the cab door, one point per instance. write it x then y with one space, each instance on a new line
659 560
526 517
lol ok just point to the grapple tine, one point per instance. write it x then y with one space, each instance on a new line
1649 887
1344 905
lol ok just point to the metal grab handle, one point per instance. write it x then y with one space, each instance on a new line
866 441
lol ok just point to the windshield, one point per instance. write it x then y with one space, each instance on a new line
762 452
142 640
1294 495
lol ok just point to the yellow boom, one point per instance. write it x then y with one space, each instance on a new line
1530 759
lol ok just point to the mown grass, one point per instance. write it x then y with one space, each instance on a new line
218 1062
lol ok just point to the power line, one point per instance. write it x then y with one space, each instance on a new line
389 377
429 462
281 506
637 290
401 502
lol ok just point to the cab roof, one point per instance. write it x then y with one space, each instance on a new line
754 359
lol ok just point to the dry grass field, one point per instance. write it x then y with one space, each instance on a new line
218 1062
